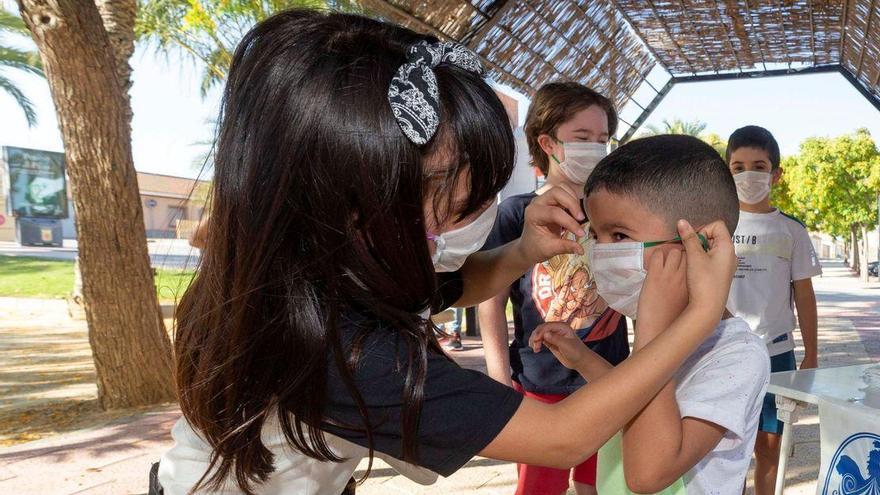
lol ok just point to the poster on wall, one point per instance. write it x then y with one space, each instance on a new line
37 183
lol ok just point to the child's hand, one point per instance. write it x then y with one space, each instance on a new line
808 363
664 294
562 342
709 273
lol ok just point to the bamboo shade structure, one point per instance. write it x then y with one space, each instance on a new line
612 45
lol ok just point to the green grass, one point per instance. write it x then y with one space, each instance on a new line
22 276
171 284
35 277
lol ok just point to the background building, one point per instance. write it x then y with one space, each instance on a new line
172 206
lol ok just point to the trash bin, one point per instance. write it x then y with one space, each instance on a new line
39 231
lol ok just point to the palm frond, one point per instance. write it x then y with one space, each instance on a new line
30 114
22 60
207 31
12 23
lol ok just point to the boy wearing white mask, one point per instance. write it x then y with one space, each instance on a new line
567 128
696 436
776 265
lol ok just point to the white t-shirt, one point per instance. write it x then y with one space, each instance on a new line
724 382
182 466
773 250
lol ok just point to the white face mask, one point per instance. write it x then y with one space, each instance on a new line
619 272
581 159
752 187
453 247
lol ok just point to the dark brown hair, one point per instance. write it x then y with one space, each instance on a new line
752 136
555 104
675 176
317 214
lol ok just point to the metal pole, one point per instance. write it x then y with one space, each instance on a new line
787 412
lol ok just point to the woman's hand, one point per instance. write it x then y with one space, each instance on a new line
547 219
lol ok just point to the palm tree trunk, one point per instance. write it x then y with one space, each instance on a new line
85 57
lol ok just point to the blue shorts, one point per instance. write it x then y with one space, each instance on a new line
769 422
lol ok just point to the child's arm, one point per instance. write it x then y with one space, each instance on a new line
569 350
712 410
808 320
676 444
659 446
493 327
804 266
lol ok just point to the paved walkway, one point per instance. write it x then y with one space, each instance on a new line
114 458
164 253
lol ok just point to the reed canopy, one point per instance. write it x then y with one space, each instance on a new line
614 46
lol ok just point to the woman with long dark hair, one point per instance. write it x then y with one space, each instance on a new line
356 160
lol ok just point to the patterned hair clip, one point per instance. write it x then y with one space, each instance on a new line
413 94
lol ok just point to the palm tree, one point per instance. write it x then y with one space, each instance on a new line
695 128
676 126
85 46
209 30
14 58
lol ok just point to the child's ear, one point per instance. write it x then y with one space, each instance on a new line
776 175
547 144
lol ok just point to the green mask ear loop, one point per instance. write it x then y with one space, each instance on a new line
554 156
703 241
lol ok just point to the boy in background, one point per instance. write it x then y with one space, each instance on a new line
776 265
701 427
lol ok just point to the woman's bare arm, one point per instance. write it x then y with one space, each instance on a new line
488 273
566 433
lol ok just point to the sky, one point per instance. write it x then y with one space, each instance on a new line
793 108
173 121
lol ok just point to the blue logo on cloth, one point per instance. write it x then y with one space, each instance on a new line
845 473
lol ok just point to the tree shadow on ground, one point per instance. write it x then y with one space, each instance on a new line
123 430
47 372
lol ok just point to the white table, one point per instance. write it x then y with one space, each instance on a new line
807 386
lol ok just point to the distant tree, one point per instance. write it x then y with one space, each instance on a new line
17 59
832 185
782 195
715 141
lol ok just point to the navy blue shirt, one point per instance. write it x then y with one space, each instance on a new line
560 289
462 410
